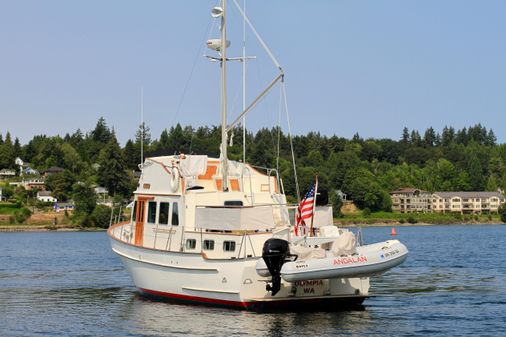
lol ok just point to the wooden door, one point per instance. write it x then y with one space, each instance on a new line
139 221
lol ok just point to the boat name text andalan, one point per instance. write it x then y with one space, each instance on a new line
348 260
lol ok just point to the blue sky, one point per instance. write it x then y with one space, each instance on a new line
370 67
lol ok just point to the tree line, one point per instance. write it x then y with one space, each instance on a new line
467 159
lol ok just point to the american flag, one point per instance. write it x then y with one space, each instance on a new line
305 208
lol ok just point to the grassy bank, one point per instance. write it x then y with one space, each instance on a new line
388 218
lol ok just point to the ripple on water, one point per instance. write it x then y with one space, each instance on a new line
71 284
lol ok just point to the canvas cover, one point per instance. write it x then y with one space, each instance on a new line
193 166
236 218
345 244
306 253
323 216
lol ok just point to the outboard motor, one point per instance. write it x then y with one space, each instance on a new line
275 253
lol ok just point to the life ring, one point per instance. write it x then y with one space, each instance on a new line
174 181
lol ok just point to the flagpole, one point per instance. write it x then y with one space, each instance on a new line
314 206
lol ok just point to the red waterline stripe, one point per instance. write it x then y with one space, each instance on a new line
198 299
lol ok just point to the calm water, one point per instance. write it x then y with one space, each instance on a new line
71 284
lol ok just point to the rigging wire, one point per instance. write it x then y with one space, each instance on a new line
209 29
283 88
262 42
279 127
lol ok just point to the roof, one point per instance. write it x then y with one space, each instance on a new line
475 194
7 171
54 169
65 204
410 190
44 194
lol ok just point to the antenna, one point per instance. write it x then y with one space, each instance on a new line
142 126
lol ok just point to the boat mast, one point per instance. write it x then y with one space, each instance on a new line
244 83
223 51
142 126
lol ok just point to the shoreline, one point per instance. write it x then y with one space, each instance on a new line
63 228
421 224
47 228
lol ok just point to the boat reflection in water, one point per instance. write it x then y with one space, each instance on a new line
153 318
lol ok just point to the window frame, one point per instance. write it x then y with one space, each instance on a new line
148 220
205 245
188 244
160 213
230 244
174 211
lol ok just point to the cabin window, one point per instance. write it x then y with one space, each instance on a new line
163 217
151 212
233 203
229 246
191 243
134 211
208 245
175 215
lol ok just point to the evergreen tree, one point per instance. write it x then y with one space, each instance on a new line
164 141
7 153
475 173
17 148
429 138
112 174
131 155
405 135
84 199
144 134
61 184
101 133
416 140
491 139
461 137
448 136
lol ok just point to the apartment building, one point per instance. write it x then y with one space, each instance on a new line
467 202
411 200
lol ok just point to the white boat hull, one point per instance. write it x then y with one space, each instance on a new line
231 283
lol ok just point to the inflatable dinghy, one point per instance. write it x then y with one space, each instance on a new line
368 260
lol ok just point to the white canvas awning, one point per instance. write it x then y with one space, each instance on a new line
323 216
238 218
193 165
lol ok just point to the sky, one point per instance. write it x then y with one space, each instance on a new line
371 67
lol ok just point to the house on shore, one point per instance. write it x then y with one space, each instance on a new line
467 202
411 200
45 196
7 174
52 170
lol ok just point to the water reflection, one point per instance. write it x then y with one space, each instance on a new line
152 318
68 284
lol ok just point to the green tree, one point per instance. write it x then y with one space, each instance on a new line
71 158
429 138
405 135
112 172
502 212
7 153
84 198
475 173
101 216
363 187
132 155
61 184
